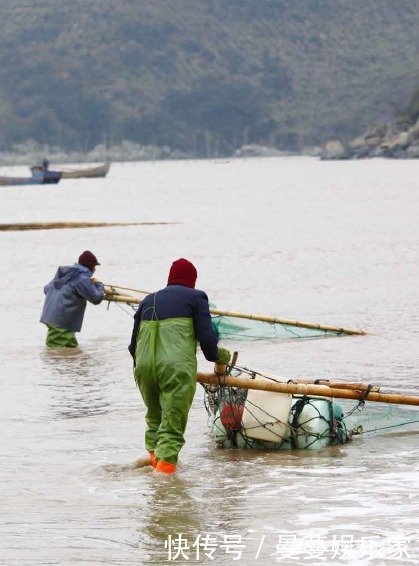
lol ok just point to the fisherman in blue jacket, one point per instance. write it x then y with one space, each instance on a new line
66 298
167 327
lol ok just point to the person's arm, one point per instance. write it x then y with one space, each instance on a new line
92 292
133 343
204 330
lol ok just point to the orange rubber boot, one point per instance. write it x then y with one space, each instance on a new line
153 459
165 467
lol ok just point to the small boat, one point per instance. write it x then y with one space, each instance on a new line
46 176
99 171
91 172
41 178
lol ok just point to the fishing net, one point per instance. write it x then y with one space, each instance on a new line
252 327
266 420
380 418
242 418
247 329
246 326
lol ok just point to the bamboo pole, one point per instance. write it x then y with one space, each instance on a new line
304 389
113 289
338 384
66 225
260 318
110 296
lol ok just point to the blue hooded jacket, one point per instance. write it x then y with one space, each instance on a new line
67 295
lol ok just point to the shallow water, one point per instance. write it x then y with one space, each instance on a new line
331 243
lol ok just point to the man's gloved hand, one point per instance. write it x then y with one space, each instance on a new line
224 356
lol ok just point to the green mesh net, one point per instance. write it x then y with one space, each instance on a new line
229 324
235 325
246 329
372 419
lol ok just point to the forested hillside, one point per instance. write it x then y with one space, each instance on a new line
203 76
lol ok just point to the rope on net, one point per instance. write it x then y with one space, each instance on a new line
360 430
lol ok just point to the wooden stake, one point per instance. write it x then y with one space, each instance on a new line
304 389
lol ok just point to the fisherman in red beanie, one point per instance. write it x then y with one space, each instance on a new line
88 260
167 327
66 298
182 272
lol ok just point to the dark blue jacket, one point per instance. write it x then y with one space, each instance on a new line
177 301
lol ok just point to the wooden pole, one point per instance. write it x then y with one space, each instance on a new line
304 389
113 289
66 225
276 320
110 296
338 384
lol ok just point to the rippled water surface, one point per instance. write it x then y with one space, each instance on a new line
331 243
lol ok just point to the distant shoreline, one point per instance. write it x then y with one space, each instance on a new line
30 153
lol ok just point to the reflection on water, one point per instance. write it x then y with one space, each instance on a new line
171 510
74 380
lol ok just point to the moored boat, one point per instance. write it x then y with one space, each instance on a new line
99 171
90 172
46 176
52 178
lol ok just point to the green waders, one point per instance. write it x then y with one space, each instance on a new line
165 372
60 337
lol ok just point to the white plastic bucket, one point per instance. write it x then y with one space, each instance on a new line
265 415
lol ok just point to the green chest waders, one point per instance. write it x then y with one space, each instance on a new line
165 372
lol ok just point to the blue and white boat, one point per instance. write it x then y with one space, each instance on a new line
38 178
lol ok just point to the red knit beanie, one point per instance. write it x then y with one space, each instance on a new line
182 272
88 260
